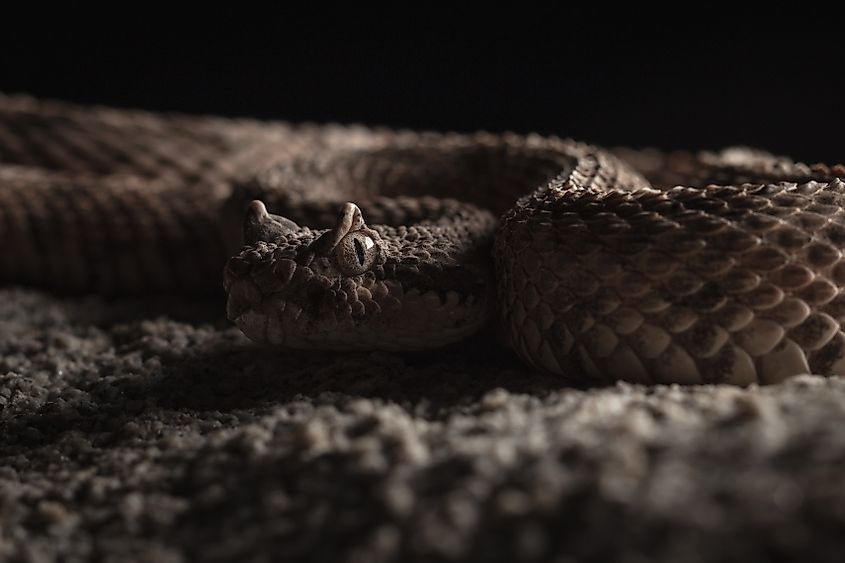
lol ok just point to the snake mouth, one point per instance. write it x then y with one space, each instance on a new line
281 322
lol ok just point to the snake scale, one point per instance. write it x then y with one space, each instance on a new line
593 264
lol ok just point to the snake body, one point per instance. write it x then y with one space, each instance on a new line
590 263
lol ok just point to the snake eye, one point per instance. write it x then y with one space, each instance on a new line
355 253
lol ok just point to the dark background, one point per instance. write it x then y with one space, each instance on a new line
778 87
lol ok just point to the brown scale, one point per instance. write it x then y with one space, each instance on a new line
771 279
639 265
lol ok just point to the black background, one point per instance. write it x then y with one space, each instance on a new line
778 87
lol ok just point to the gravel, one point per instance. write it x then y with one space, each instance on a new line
151 430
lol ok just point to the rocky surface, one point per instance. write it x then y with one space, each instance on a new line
151 430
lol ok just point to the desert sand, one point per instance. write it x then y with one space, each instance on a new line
151 430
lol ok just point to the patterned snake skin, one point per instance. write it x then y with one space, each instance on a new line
592 264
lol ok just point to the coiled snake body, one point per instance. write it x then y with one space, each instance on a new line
592 263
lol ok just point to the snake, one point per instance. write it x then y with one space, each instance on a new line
591 264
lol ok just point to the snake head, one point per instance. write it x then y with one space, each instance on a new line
353 286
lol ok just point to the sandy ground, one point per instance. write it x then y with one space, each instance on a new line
153 431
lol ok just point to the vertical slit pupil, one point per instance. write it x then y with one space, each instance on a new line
359 251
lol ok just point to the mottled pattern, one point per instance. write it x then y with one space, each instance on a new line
720 284
601 268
